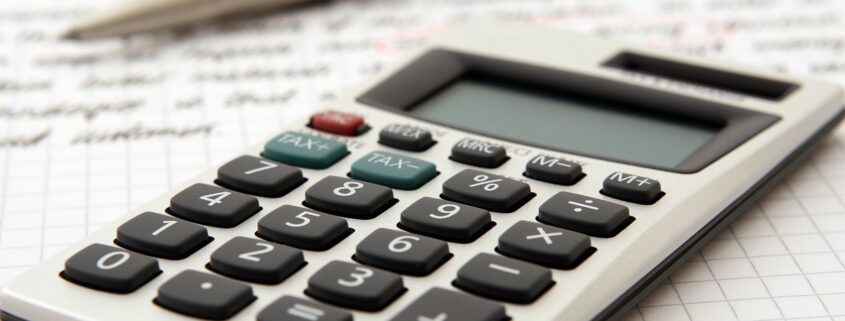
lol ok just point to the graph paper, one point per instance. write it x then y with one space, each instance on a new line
89 131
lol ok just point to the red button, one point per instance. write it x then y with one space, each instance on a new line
336 122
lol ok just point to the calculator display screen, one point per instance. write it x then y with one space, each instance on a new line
566 122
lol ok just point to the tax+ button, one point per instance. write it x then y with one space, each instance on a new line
632 188
304 150
393 170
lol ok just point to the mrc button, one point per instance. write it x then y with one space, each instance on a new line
405 137
553 170
338 122
479 153
632 188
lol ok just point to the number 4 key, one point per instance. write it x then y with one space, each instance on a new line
212 205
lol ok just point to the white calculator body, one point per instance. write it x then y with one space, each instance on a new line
504 172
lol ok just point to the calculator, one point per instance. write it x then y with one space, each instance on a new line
505 172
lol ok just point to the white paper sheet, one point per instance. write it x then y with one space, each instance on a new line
88 131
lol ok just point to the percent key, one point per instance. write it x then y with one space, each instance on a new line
488 191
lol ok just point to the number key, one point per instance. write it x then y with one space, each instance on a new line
161 235
212 205
110 269
258 176
487 191
402 252
445 220
349 197
438 304
355 286
303 228
254 260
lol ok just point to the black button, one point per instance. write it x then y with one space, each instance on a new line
479 153
303 228
584 214
632 188
254 260
445 220
355 286
405 137
545 245
553 170
502 278
486 190
111 269
204 295
212 205
291 308
162 236
402 252
349 197
258 176
439 304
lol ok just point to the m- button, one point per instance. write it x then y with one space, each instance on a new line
632 188
479 153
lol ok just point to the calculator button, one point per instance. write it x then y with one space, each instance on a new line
486 190
393 170
111 269
303 228
212 205
402 252
258 176
438 304
475 152
445 220
254 260
162 236
584 214
348 197
204 295
338 122
545 245
502 278
291 308
632 188
405 137
553 170
304 150
355 286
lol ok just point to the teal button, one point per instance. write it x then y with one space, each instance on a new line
393 170
304 150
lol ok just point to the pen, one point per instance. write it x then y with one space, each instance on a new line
150 15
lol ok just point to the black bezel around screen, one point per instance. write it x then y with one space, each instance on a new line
437 69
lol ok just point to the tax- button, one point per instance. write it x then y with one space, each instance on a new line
584 214
304 150
338 122
479 153
486 190
632 188
393 170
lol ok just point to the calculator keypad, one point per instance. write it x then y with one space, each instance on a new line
393 170
303 228
584 214
204 295
402 252
355 286
348 197
110 269
212 205
291 308
445 220
304 150
255 260
438 304
486 190
502 278
162 236
545 245
258 176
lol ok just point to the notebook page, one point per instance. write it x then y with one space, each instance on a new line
90 131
